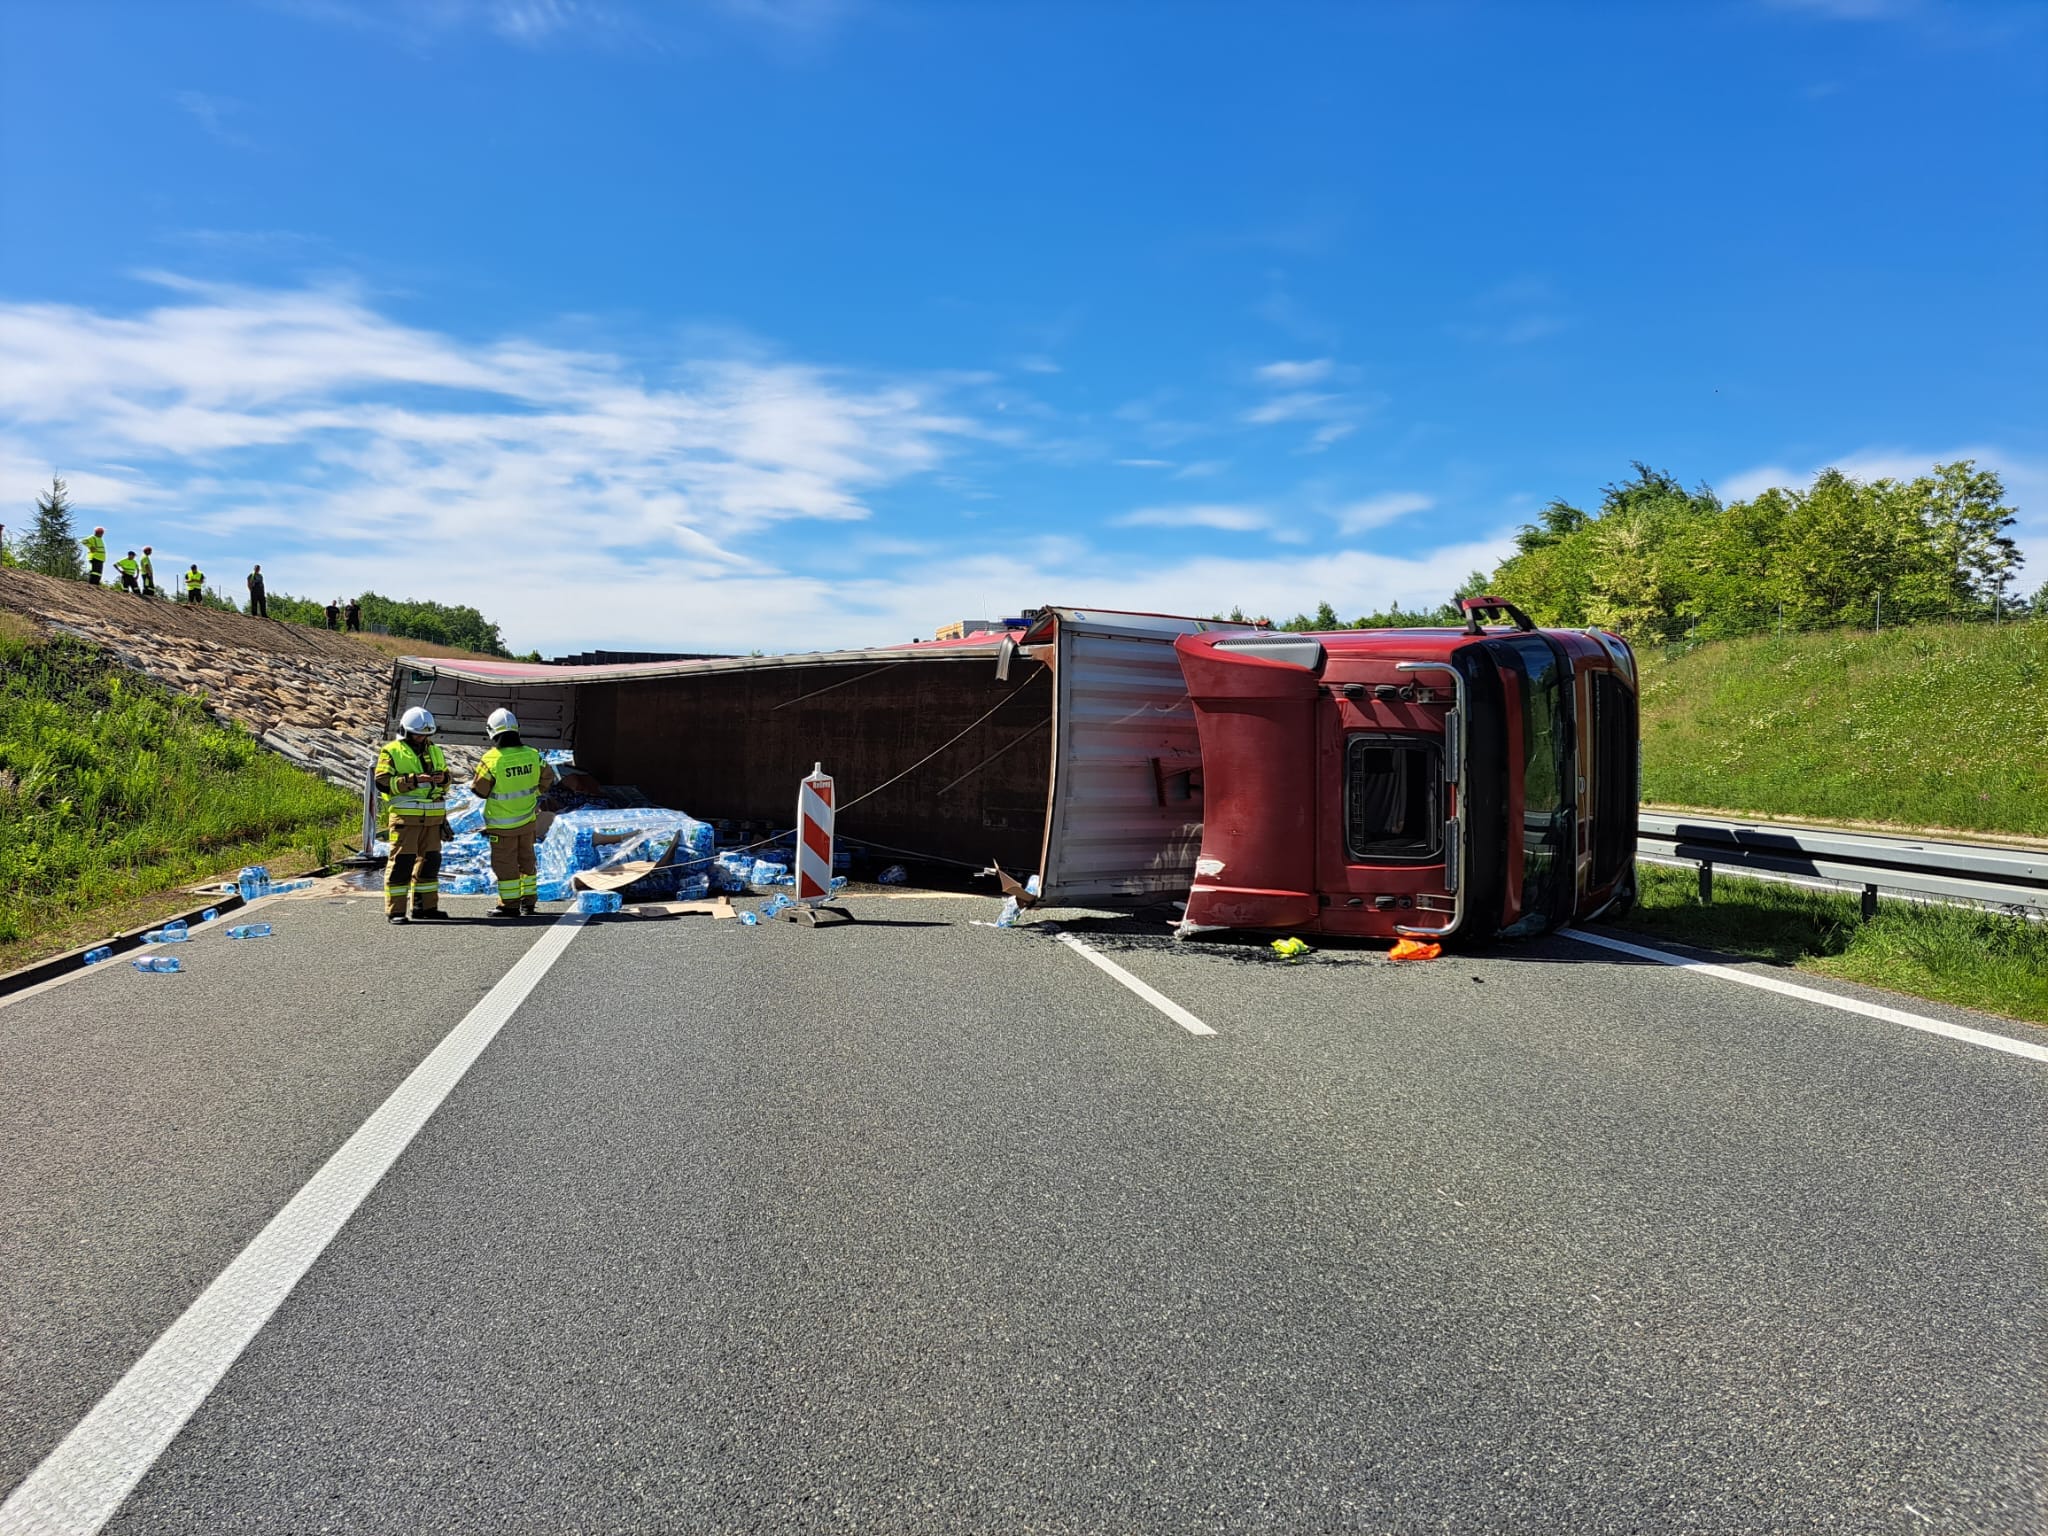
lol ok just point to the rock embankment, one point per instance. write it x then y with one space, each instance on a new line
312 696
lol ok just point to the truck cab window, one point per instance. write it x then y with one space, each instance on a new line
1393 800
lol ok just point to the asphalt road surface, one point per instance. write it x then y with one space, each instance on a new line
915 1225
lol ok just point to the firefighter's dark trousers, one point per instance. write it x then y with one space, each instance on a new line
514 863
130 584
414 872
96 568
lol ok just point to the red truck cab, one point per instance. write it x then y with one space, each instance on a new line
1437 783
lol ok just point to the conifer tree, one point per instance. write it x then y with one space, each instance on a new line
52 546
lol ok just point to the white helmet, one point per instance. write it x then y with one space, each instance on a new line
418 722
501 721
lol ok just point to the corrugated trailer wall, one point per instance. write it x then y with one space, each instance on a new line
736 743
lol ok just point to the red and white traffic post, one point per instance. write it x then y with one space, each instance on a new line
813 843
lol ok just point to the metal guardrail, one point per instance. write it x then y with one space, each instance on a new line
1978 873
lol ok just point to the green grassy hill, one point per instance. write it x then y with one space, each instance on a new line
114 789
1937 726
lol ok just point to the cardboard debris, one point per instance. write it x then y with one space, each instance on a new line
716 906
658 846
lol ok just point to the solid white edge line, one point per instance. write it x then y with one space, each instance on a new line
1920 1021
78 1487
1157 999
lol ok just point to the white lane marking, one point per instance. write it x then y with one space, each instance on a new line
1921 1021
1152 995
79 1485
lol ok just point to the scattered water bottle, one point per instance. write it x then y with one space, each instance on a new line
165 963
598 901
175 931
839 882
1031 886
1007 918
95 956
776 903
250 931
895 874
209 914
749 918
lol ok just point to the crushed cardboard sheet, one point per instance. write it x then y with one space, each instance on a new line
716 906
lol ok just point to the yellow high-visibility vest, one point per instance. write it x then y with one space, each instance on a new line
514 773
423 802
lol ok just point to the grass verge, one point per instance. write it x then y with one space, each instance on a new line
1975 959
1934 726
114 791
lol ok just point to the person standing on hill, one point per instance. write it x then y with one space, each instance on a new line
129 572
509 781
412 778
95 553
148 573
195 581
334 614
258 608
354 615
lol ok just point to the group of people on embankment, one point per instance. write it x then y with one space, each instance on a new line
138 575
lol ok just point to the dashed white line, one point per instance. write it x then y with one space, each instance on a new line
1152 995
1920 1021
79 1485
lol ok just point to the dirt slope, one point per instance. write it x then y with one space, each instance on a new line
313 696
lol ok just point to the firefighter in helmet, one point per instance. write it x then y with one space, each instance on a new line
412 778
510 780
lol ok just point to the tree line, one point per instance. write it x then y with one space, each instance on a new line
52 548
1654 561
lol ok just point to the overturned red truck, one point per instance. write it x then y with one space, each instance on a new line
1443 782
1426 783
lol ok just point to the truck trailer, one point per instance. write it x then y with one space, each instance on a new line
1357 782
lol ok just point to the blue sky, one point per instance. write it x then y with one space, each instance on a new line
784 323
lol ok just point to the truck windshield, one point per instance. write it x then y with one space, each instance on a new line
1545 693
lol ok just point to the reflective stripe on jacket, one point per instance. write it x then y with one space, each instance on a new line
515 774
423 802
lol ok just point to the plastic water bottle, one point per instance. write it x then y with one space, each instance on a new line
1031 886
595 902
1007 918
839 882
95 956
209 914
250 931
893 875
163 963
175 931
749 918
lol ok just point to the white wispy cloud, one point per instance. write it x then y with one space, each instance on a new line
1233 519
1514 313
719 498
1378 511
1297 405
1146 463
213 113
1332 432
1295 375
